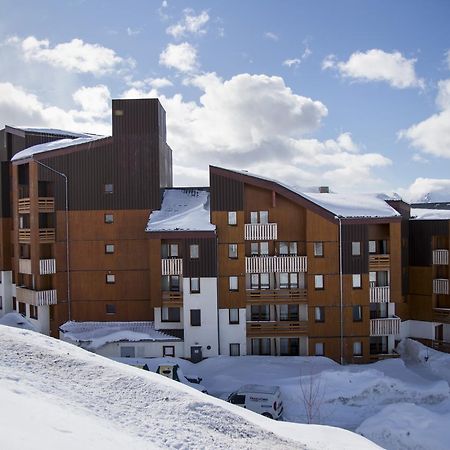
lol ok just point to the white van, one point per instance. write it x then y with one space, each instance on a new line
265 400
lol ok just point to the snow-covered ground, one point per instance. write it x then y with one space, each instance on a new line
54 395
397 403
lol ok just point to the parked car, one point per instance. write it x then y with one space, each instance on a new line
265 400
174 372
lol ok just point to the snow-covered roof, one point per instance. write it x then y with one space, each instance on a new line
55 145
430 214
98 334
182 210
56 131
17 320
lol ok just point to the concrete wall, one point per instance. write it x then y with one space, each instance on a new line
232 333
6 292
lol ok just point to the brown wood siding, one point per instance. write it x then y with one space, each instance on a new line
206 264
354 264
5 245
420 239
154 246
395 244
226 194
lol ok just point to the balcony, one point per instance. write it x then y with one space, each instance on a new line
36 298
46 266
46 235
45 205
441 315
260 231
276 295
440 257
270 264
379 294
385 327
171 266
440 286
172 298
379 262
278 328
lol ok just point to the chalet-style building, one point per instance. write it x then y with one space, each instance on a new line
97 246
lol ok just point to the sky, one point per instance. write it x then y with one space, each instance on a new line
351 94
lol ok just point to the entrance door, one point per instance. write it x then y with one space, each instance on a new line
196 354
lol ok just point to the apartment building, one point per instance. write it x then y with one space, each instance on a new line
94 233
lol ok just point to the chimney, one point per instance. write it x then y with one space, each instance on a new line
324 189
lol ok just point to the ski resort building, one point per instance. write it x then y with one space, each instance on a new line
97 246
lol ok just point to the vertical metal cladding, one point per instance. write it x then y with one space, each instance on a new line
420 239
226 194
206 264
355 233
405 256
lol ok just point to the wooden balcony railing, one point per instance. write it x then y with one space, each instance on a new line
260 231
276 328
46 235
276 295
172 296
385 327
440 257
440 286
46 266
270 264
45 205
172 266
379 262
36 298
379 294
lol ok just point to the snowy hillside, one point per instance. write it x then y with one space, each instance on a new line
57 396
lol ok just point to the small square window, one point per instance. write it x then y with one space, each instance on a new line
318 248
318 281
109 248
232 218
195 285
235 349
109 218
357 313
319 314
168 350
356 248
234 316
232 251
319 349
233 283
356 281
194 251
357 349
110 308
110 278
109 189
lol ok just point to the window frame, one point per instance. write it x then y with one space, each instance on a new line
194 289
166 353
357 313
318 249
194 251
356 353
319 314
356 248
233 251
235 345
231 280
195 317
319 286
166 315
233 321
108 218
108 250
232 218
321 346
110 278
356 281
108 188
110 308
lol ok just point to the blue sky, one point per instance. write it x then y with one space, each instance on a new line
353 94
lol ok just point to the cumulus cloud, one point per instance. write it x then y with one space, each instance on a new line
377 65
190 24
182 57
432 135
427 190
94 101
74 56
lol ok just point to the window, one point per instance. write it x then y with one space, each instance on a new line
293 280
356 281
264 217
232 251
33 312
233 283
193 251
379 278
170 314
259 281
233 316
284 280
127 352
173 250
288 280
318 248
195 285
293 248
318 281
109 189
14 303
235 349
289 346
372 246
168 350
109 218
260 313
319 314
109 248
319 349
264 280
232 218
22 308
254 246
283 248
254 217
357 349
289 312
1 302
174 283
264 248
110 308
356 248
196 320
357 313
261 346
110 278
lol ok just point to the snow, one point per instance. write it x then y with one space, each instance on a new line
61 396
430 214
97 334
52 131
182 210
54 145
14 319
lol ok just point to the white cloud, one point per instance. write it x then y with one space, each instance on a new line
432 135
271 36
419 159
292 62
190 24
377 65
427 190
132 32
94 101
447 57
182 57
74 56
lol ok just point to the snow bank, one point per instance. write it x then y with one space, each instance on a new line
408 426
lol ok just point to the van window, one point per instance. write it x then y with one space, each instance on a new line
238 399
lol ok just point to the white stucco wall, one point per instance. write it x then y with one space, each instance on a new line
42 323
205 335
6 291
417 329
159 325
232 333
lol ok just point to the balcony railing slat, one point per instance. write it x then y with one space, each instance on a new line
440 257
278 328
385 327
36 298
172 266
260 231
379 294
